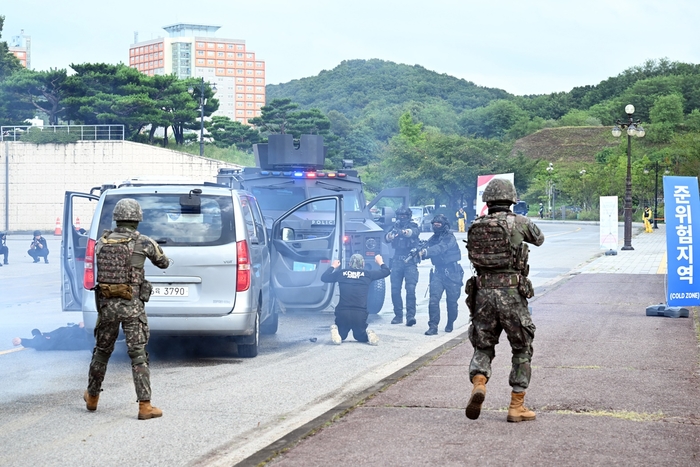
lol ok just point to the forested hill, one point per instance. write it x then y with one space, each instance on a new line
354 85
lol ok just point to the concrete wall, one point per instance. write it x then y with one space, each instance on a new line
34 177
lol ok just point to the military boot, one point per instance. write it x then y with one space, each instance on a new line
146 411
90 401
473 409
517 412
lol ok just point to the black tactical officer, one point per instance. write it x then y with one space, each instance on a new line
447 274
403 237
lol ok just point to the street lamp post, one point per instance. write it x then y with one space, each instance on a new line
634 128
202 102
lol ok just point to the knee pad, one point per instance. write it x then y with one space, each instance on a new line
100 355
138 356
520 358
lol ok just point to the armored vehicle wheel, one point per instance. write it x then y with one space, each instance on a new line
375 296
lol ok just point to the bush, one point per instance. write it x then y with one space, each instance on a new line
37 136
592 215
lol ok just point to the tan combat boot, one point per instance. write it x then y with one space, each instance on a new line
517 412
146 411
478 395
90 401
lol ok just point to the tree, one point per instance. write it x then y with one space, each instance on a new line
44 90
8 62
413 132
227 132
274 116
12 111
667 109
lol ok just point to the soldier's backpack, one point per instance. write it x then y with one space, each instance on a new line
489 244
114 259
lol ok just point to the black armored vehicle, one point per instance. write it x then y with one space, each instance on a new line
285 175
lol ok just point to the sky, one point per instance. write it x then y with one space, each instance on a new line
521 46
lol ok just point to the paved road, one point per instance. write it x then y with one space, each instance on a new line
216 405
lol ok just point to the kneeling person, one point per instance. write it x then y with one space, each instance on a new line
351 312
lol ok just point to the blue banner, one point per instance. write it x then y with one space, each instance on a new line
681 205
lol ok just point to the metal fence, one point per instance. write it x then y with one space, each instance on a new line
77 132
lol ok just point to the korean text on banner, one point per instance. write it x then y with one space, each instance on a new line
481 182
682 204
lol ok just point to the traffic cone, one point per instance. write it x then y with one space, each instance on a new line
57 230
77 223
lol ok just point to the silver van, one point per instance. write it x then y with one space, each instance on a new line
220 281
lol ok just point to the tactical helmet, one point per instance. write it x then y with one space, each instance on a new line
442 220
37 233
403 213
127 209
499 189
357 261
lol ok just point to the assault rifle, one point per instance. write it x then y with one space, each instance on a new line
415 252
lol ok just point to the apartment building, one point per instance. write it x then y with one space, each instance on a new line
193 50
21 47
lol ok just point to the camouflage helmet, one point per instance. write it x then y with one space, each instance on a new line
127 209
499 189
357 261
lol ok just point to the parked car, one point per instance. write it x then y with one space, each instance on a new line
422 215
221 259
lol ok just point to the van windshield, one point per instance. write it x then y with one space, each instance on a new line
167 222
278 198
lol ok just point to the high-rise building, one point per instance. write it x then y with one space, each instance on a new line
21 47
192 50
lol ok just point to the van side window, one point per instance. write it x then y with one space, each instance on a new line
259 221
246 203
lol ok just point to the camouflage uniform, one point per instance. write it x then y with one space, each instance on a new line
129 313
497 299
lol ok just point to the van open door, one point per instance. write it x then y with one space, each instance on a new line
77 217
304 243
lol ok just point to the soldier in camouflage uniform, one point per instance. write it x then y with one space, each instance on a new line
120 295
497 296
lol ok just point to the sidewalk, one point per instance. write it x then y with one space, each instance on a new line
610 386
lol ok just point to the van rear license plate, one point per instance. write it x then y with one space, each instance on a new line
160 291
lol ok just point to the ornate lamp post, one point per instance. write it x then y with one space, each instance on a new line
634 128
202 102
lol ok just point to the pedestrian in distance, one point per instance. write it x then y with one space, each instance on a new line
541 211
351 312
39 248
403 237
120 294
461 219
646 217
497 296
4 250
446 276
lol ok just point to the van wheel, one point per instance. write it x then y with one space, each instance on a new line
375 296
251 350
269 326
